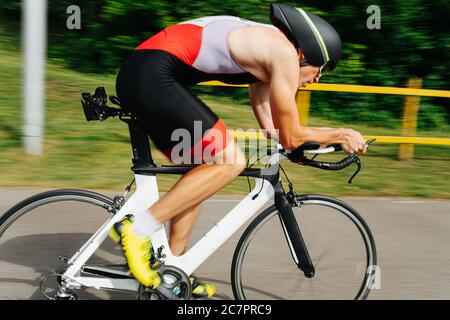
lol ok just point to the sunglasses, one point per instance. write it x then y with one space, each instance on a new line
322 68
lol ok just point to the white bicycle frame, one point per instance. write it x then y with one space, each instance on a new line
145 196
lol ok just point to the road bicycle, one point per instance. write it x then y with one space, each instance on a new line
300 247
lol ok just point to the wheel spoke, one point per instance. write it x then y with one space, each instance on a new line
336 238
47 226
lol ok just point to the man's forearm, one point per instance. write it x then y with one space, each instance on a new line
271 133
323 136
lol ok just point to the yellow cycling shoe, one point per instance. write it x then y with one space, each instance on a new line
137 249
201 289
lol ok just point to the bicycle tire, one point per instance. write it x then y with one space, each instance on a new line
12 241
10 215
269 213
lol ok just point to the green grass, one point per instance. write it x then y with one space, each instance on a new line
94 155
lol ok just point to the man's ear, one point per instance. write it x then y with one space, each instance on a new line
300 54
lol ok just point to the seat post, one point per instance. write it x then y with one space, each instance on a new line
140 145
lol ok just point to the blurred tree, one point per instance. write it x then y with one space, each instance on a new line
413 41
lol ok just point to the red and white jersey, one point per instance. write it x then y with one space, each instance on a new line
202 43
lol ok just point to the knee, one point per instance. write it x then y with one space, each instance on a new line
240 162
230 171
232 159
236 169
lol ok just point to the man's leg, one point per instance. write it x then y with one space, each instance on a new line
192 189
200 183
181 227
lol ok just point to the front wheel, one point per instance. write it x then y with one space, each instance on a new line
339 243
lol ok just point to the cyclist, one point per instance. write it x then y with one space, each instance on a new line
153 83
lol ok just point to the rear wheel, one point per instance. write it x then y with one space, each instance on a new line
338 240
39 234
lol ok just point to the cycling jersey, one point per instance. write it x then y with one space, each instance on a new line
202 43
153 82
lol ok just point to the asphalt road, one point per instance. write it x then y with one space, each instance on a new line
412 238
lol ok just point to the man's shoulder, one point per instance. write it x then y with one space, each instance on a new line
270 43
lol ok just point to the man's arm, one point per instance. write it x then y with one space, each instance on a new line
260 102
284 72
259 99
276 61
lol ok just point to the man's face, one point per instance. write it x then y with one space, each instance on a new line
308 73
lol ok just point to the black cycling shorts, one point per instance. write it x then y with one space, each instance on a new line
153 85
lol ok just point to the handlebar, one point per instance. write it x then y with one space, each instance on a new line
344 163
298 156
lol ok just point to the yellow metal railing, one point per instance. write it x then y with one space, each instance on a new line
382 139
410 110
357 89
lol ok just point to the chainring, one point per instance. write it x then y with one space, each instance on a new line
175 285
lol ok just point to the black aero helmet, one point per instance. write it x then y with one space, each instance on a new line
317 39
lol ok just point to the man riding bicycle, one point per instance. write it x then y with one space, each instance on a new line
153 83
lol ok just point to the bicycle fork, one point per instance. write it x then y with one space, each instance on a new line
292 232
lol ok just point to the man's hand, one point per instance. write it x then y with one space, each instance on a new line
352 141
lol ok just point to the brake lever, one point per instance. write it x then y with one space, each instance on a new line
358 169
358 162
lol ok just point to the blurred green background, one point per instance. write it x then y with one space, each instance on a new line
413 41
